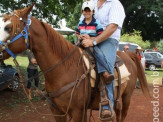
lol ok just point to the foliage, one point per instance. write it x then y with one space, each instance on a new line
74 17
146 16
71 38
160 46
135 37
143 15
43 8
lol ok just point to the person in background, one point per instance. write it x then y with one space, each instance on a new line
32 71
111 15
126 48
138 53
155 49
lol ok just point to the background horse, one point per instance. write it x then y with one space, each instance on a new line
50 49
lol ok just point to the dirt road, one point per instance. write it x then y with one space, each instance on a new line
14 107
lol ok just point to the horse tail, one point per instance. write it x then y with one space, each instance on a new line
141 74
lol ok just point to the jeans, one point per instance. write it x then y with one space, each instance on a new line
32 73
106 53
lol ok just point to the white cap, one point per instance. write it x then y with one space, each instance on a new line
139 48
88 4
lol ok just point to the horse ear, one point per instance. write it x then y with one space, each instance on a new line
24 12
29 9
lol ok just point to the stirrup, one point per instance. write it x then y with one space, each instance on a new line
104 103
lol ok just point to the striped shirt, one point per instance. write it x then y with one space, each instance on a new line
94 28
110 12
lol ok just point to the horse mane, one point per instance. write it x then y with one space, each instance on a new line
59 44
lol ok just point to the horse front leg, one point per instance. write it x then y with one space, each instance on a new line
78 116
58 118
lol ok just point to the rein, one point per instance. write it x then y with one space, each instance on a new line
74 84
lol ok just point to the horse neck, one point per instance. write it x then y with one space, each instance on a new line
49 52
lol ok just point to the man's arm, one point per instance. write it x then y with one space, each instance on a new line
110 29
32 58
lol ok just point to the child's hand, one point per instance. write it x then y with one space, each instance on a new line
79 37
85 36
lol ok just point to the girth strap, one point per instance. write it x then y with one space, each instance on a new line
62 90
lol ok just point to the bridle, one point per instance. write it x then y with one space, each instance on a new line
24 33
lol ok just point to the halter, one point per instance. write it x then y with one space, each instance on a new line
24 34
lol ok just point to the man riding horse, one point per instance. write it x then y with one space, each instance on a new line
111 15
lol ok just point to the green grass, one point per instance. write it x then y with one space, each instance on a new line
156 75
23 63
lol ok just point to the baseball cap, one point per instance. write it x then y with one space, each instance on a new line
88 4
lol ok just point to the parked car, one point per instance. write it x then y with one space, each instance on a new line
156 54
9 77
153 62
132 47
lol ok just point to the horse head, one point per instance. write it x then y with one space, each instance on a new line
14 32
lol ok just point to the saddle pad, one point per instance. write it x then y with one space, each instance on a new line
124 74
93 73
123 71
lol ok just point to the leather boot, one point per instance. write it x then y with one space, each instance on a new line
106 113
29 94
108 77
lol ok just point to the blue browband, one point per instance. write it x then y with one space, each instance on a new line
24 34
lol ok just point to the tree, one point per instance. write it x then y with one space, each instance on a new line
143 15
44 9
74 17
135 37
160 46
146 16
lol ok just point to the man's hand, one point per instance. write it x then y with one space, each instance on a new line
33 61
87 42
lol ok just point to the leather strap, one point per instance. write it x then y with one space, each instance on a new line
119 86
62 90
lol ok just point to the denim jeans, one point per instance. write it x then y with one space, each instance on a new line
106 53
32 73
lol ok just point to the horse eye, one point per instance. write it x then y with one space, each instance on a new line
8 29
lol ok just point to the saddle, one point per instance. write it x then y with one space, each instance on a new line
98 83
120 68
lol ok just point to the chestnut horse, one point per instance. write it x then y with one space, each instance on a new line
50 49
